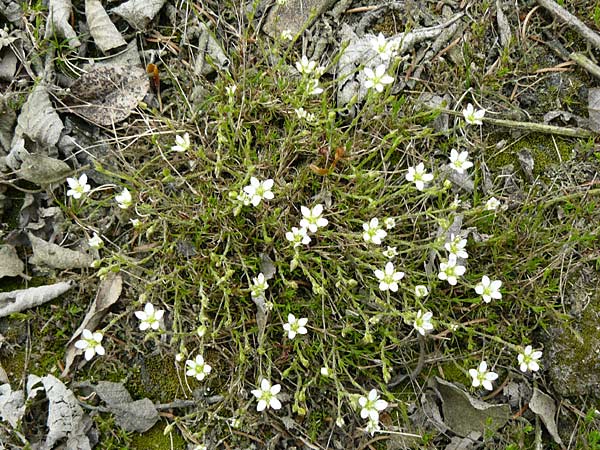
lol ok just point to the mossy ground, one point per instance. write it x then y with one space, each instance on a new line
197 250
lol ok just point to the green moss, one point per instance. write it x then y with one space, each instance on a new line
157 379
544 149
155 438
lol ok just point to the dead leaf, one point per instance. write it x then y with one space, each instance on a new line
8 64
108 94
65 416
594 109
43 170
543 405
210 53
12 403
465 414
52 255
59 13
105 34
139 13
22 299
108 293
10 263
38 119
267 266
138 416
7 123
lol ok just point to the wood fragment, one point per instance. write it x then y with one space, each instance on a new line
565 16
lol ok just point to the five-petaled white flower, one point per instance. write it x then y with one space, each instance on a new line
78 187
456 246
306 67
529 360
259 190
124 199
419 176
492 204
197 368
150 318
390 253
96 242
298 236
312 219
287 35
313 88
373 232
267 395
460 161
378 78
489 289
303 114
482 377
182 143
371 405
259 286
472 116
385 49
421 291
295 326
91 343
388 278
450 270
389 223
423 322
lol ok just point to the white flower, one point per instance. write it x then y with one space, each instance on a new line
456 246
200 447
281 2
492 204
197 368
312 219
389 223
182 144
373 232
201 330
459 161
298 236
450 271
305 67
90 342
482 377
135 223
489 289
303 114
390 252
339 422
78 187
472 116
230 90
325 371
456 202
287 35
258 190
376 79
313 87
529 360
295 326
385 49
124 199
372 426
419 176
179 357
243 198
423 322
421 291
259 286
267 395
96 242
371 405
388 278
149 317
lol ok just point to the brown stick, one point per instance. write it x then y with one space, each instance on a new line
562 14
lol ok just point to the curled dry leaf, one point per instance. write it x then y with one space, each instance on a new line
52 255
108 94
43 170
594 109
59 13
105 34
543 405
139 13
38 119
10 263
22 299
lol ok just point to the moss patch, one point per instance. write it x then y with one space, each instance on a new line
156 439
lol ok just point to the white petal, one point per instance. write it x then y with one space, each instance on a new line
275 403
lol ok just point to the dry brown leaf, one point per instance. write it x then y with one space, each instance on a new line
105 34
106 95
